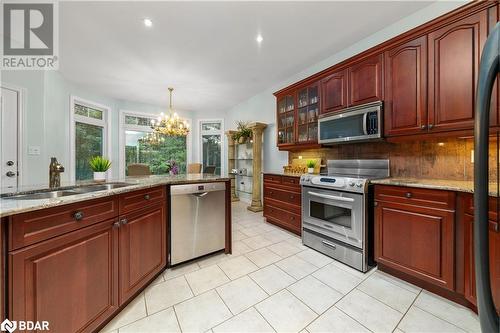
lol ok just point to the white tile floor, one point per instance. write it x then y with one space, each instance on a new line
272 283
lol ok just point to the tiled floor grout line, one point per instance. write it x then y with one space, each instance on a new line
176 318
404 315
446 320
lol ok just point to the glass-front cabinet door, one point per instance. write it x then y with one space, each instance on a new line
286 119
308 110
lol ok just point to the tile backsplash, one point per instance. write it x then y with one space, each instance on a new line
449 158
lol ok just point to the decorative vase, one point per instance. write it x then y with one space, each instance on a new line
100 176
310 170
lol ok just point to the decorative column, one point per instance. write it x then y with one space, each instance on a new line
257 133
231 164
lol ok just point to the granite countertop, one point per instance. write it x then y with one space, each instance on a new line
282 173
438 184
12 206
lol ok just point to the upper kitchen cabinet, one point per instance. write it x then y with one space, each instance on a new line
286 120
307 116
365 81
454 55
406 88
334 92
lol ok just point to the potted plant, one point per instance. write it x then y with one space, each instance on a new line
310 166
244 132
99 165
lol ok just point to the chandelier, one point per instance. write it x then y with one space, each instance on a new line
170 124
152 139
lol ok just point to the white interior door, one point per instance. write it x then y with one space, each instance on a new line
9 139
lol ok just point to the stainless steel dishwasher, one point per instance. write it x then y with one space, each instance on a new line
197 220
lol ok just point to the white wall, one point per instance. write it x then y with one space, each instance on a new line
47 118
262 106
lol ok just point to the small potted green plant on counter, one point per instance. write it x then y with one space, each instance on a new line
310 166
100 165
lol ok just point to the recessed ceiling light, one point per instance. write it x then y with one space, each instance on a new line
259 38
148 23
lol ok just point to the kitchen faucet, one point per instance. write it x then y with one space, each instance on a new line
55 169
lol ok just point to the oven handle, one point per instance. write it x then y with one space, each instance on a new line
365 115
332 197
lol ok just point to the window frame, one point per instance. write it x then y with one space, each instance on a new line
140 128
212 132
104 123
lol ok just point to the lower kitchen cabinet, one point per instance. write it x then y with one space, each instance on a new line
413 238
469 276
143 248
282 201
71 281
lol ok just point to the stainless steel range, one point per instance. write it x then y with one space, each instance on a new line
335 210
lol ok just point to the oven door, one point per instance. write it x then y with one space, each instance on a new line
339 215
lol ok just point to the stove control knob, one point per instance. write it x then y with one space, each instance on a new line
359 184
351 184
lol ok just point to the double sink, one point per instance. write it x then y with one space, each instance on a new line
44 194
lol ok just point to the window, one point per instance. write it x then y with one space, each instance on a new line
135 147
89 136
211 142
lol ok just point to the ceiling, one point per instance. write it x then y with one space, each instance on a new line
208 51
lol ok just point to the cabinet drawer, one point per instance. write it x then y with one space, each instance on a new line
287 218
32 227
275 179
287 180
492 204
281 195
143 198
416 196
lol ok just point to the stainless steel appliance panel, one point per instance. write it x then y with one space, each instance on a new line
197 221
334 249
339 214
359 123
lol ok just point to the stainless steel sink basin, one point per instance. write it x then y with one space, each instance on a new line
99 187
42 195
45 194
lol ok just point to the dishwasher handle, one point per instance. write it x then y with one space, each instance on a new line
200 195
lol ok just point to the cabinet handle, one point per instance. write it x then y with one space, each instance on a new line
375 204
431 126
292 197
408 195
78 216
423 127
147 197
292 218
116 225
123 221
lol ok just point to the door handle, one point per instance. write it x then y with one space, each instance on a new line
10 174
332 197
200 195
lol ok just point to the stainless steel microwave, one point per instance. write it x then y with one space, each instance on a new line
358 123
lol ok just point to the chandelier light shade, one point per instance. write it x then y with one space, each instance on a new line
170 124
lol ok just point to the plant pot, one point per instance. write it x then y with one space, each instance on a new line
100 176
310 170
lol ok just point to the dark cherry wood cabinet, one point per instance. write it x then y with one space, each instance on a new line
282 201
334 92
413 237
142 248
454 55
405 107
77 265
307 114
70 280
426 78
365 81
286 119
